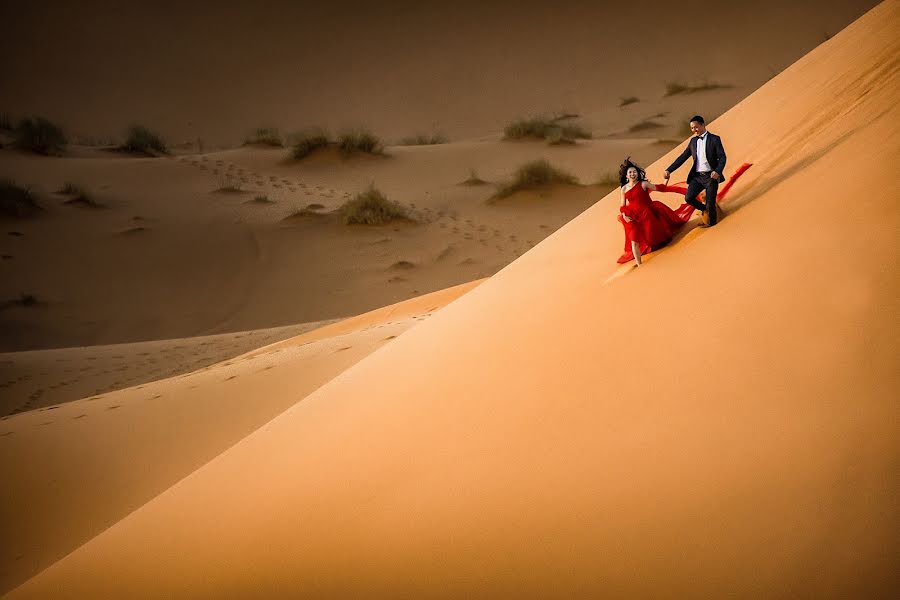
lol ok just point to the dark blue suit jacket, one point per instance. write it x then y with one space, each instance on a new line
715 155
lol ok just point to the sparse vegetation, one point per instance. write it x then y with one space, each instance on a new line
644 125
674 87
351 142
424 140
307 142
371 207
550 129
16 201
39 135
231 185
26 300
5 122
265 136
629 100
535 174
609 179
262 199
78 195
474 179
141 140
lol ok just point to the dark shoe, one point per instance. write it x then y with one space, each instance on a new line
712 215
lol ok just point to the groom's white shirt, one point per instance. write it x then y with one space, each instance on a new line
702 163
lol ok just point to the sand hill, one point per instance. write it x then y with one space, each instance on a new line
719 422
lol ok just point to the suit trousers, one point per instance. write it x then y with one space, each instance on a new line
700 182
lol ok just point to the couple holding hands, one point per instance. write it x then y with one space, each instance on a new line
649 224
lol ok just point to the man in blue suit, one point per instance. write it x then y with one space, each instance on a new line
707 171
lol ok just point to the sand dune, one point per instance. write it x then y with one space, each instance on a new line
80 467
39 378
461 68
721 422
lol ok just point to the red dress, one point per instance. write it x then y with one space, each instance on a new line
653 224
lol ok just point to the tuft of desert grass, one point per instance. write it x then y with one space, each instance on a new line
140 140
16 201
609 180
421 139
262 199
26 300
41 136
371 207
545 128
676 87
361 140
629 100
78 195
306 142
265 136
533 175
474 179
644 125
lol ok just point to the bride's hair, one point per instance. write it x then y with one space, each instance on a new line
623 170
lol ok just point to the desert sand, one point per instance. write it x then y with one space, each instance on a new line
721 422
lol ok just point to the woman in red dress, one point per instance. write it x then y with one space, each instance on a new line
650 224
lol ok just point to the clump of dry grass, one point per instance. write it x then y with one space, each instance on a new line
16 201
140 140
78 195
474 179
551 129
533 175
361 140
644 125
424 140
371 207
305 143
609 179
41 136
264 136
676 87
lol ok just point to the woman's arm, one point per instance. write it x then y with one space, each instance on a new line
622 205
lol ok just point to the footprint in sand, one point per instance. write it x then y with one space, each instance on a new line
113 407
81 416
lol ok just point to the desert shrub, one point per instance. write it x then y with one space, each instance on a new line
262 199
305 143
609 179
371 207
535 174
26 300
474 179
644 126
629 100
351 142
424 140
16 201
550 129
78 195
265 136
141 140
39 135
675 87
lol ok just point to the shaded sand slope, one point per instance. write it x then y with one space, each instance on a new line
719 423
72 470
39 378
